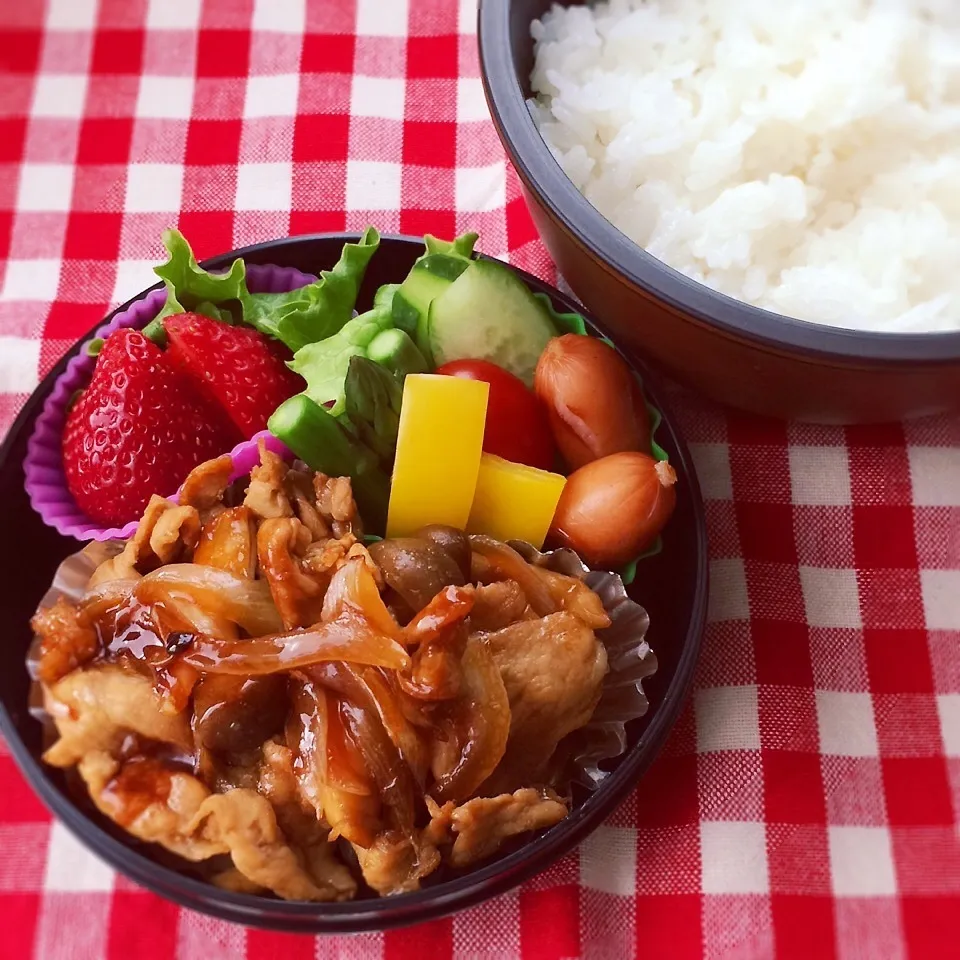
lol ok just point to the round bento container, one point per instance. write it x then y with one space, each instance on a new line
671 585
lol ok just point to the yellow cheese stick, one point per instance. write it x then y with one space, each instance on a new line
514 501
438 452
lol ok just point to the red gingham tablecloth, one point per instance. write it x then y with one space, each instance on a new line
807 804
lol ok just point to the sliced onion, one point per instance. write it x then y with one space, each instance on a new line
331 772
374 689
452 605
355 701
440 633
353 586
393 777
479 725
437 673
106 597
175 682
188 616
507 564
348 638
247 603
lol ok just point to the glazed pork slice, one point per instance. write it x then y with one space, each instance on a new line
553 670
300 823
244 824
396 863
478 827
167 533
66 641
97 708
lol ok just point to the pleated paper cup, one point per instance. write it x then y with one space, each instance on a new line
630 661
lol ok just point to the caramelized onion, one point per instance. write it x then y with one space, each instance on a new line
353 588
342 765
383 760
348 751
247 603
506 564
373 689
440 633
187 616
350 637
450 606
175 681
332 774
106 598
478 727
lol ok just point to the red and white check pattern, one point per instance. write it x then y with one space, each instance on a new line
807 804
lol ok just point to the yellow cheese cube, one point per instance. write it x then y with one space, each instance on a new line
514 501
438 452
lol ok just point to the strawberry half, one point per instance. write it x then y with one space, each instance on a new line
235 366
139 428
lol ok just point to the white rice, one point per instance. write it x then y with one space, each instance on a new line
800 155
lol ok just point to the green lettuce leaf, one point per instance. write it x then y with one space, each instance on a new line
319 310
296 318
191 288
324 364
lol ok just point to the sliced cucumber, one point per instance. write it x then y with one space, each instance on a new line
461 246
426 281
488 313
430 276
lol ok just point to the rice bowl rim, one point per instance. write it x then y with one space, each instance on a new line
618 254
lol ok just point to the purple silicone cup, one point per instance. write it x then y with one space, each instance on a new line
44 479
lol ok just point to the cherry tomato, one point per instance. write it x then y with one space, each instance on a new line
517 427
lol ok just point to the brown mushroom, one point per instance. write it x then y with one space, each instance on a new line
455 542
236 714
416 569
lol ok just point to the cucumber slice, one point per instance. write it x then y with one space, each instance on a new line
429 277
488 313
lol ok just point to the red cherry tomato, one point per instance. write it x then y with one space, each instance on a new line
517 427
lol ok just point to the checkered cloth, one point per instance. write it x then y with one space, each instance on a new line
807 804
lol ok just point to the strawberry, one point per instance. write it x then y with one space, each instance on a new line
139 428
236 366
